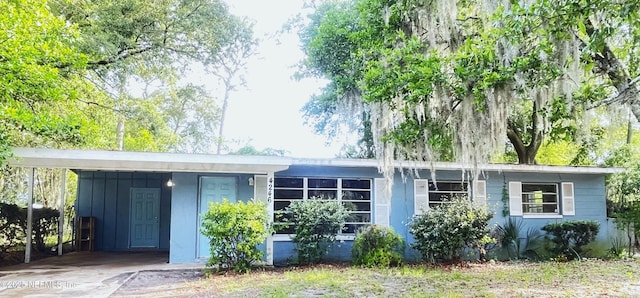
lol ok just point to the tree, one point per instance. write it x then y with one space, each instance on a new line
229 65
251 150
191 115
457 74
39 64
125 40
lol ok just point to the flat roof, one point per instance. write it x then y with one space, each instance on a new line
209 163
105 160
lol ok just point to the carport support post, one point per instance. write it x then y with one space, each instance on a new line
270 183
27 247
63 197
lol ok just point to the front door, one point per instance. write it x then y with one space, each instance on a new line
145 218
213 189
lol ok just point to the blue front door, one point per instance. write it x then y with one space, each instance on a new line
213 189
145 218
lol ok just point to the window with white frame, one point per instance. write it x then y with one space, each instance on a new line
429 194
540 198
354 194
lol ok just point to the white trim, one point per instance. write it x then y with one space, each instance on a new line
568 198
146 161
541 215
480 192
382 206
211 163
420 196
515 198
269 198
30 182
63 198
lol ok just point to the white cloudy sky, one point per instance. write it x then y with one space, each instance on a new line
267 112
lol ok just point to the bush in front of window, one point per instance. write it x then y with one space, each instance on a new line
316 222
234 231
569 237
443 232
377 246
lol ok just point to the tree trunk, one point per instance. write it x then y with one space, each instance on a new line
225 104
120 133
527 152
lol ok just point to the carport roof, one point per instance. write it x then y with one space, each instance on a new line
145 161
211 163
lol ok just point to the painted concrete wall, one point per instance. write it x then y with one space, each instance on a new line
106 196
589 202
185 229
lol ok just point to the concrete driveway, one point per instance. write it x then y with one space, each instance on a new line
81 274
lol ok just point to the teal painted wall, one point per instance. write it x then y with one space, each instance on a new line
106 196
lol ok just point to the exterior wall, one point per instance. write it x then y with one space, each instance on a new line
589 193
283 249
106 196
185 229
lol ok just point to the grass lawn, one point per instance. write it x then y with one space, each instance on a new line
589 278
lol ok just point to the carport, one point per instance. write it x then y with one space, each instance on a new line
166 164
85 274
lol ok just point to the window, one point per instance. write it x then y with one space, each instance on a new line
428 194
442 191
540 198
354 194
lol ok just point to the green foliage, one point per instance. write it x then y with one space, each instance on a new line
569 237
251 150
623 199
377 246
441 233
618 247
511 241
316 222
234 231
13 226
486 69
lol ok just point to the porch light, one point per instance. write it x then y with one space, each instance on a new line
170 183
251 181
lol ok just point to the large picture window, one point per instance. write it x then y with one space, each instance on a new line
540 198
354 194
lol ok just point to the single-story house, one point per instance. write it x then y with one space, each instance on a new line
154 201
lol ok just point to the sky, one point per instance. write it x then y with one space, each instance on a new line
267 112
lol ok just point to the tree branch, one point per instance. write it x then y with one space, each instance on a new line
621 96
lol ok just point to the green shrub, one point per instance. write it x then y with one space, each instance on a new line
516 246
234 231
441 233
377 246
316 222
617 248
13 226
569 237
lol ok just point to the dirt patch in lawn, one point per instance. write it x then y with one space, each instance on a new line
157 283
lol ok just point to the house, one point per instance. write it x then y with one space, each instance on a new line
153 201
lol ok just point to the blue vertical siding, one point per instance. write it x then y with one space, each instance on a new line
106 196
